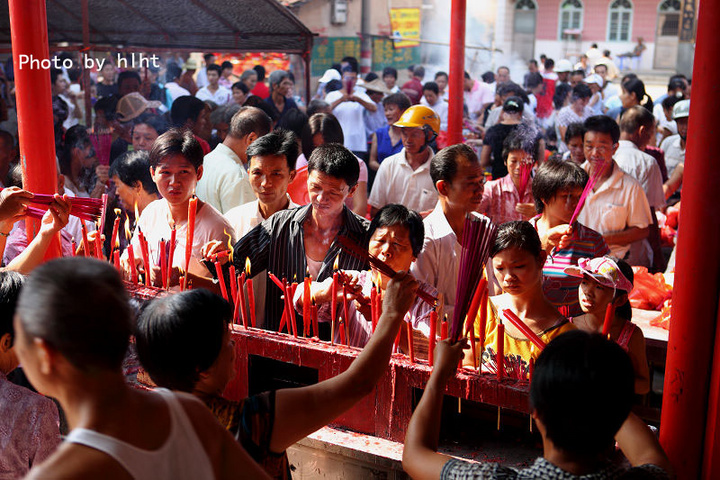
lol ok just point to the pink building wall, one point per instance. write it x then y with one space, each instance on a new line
595 19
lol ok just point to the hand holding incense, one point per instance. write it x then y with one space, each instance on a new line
597 174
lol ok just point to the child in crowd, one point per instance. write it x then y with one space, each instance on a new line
557 188
29 423
185 343
605 281
581 395
574 136
517 261
73 327
176 166
510 197
396 237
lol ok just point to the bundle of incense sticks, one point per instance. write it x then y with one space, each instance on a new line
102 143
586 191
88 209
383 267
478 237
525 170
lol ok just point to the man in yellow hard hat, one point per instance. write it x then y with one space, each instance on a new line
404 178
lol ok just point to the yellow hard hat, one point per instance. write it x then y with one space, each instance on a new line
419 116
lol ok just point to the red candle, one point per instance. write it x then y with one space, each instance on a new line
241 298
276 281
522 326
171 253
411 346
333 299
609 314
500 349
472 347
104 201
291 308
432 339
396 345
114 238
73 246
343 338
314 314
483 323
444 329
221 279
346 307
163 264
133 267
373 307
531 368
250 292
283 322
98 245
85 242
307 320
192 210
146 257
116 259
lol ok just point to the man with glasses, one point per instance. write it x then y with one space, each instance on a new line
459 181
617 206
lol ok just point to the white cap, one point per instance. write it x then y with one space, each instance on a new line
330 74
593 78
563 65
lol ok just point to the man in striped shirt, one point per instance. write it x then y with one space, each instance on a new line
296 241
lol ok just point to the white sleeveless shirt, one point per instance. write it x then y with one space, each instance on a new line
182 456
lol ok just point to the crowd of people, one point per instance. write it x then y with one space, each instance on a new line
575 170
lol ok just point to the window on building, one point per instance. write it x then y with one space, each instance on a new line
571 18
620 21
669 18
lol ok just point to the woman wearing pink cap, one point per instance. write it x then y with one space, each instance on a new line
608 280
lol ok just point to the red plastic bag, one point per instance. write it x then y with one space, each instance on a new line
650 290
663 320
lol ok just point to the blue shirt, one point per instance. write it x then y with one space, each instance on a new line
385 148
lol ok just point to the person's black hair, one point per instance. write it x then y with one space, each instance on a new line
543 57
390 72
578 72
488 77
172 72
636 86
371 76
441 74
444 164
54 74
177 142
328 126
419 72
533 62
581 91
549 63
260 72
512 89
226 64
8 137
606 53
562 90
186 108
79 307
75 137
14 176
399 99
352 62
180 336
677 84
517 234
277 142
669 102
534 79
395 214
574 129
335 160
10 285
594 45
240 86
333 85
208 56
603 124
108 105
133 167
467 75
257 102
513 105
214 67
250 120
316 105
624 311
128 75
297 122
431 86
156 122
635 117
74 73
582 391
526 138
554 176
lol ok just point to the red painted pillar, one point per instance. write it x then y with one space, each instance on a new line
457 71
28 25
686 408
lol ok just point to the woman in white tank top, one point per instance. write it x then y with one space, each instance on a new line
73 326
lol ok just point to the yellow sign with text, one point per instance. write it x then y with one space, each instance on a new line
405 24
